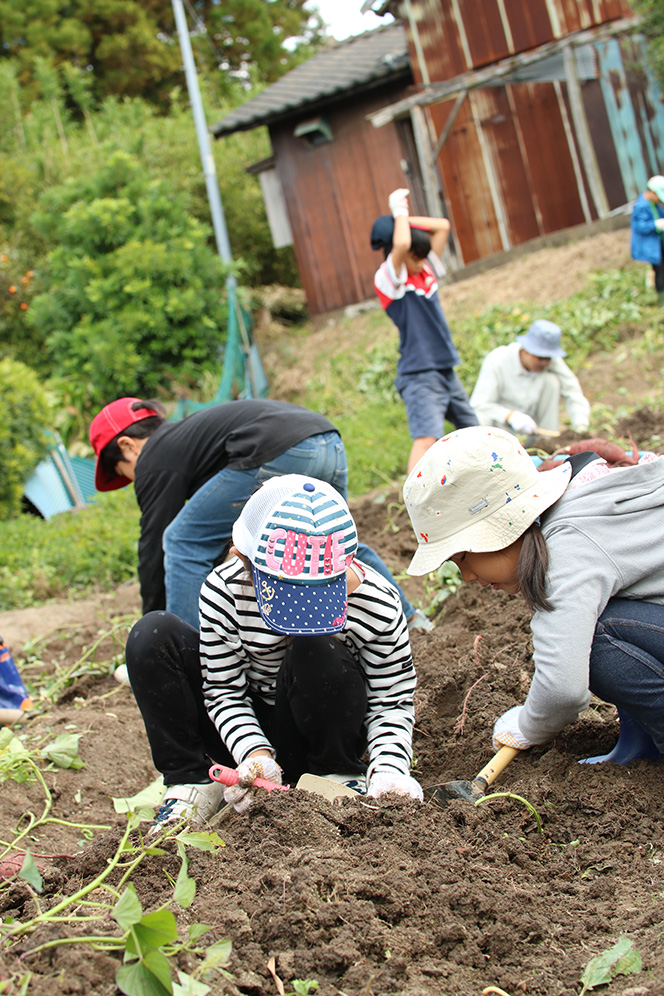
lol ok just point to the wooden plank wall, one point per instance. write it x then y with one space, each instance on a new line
458 36
334 192
511 168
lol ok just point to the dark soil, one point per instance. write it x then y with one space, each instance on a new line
367 898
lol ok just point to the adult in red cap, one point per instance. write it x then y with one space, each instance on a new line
192 479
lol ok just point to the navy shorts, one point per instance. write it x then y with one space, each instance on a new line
431 397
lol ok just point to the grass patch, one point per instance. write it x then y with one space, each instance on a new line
70 554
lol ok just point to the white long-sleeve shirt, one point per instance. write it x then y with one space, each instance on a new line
240 654
504 386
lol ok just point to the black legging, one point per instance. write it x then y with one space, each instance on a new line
659 275
315 725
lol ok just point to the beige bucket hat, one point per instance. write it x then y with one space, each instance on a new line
477 490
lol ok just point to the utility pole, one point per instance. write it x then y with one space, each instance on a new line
235 318
207 160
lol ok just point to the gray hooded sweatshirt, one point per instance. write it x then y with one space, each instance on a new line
605 539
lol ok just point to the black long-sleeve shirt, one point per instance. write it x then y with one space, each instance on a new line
180 457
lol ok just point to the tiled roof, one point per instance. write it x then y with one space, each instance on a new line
359 61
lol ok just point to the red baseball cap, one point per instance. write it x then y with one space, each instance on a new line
105 426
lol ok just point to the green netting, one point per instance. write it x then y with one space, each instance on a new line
242 374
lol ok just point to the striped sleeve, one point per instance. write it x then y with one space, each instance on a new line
378 632
237 653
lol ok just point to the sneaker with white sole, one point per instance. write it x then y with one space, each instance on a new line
418 623
188 802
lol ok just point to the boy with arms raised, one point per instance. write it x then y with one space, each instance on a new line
407 287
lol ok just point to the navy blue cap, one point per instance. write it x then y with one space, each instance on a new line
382 232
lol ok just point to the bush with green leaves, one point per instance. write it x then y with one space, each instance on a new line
16 291
24 418
132 293
45 144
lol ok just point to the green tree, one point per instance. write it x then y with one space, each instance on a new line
246 39
652 26
123 43
130 47
133 295
24 418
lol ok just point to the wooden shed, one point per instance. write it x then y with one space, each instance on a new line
332 170
541 114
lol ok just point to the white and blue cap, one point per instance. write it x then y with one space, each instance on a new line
300 537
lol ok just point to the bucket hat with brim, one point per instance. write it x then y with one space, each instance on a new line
477 490
542 339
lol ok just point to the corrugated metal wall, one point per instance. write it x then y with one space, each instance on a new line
335 191
512 167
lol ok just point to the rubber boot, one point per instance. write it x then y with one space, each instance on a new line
633 743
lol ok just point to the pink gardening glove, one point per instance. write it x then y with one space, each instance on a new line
506 731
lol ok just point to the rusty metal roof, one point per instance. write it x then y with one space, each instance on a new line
356 63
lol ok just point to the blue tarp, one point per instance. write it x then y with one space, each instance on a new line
61 483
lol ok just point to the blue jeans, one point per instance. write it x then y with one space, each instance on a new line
193 541
430 397
627 662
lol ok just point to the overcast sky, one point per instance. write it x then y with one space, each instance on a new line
343 17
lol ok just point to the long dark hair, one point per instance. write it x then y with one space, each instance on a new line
532 567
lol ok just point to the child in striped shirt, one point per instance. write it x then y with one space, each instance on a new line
302 663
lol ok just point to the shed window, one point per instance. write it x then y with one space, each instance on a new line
316 131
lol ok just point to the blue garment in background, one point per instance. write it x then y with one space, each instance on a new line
646 241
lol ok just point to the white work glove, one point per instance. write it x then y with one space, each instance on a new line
398 202
241 795
506 731
580 427
392 781
522 423
659 224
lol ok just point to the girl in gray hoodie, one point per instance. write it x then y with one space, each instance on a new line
584 544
